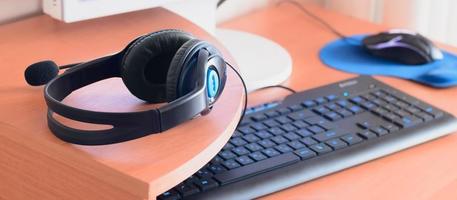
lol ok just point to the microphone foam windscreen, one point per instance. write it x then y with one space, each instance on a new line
41 73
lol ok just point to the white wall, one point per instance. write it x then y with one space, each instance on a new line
11 10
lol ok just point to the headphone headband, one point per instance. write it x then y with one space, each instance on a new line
127 125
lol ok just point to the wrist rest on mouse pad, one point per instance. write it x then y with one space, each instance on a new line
349 56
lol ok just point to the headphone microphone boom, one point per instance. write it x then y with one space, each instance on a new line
165 66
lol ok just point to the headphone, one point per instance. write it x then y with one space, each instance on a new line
165 66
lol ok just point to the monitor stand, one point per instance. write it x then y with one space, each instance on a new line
261 61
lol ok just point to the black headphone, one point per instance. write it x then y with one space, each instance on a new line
165 66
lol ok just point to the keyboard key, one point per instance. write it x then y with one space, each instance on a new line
321 100
424 116
321 137
203 173
309 103
314 120
367 134
380 111
259 117
331 97
291 136
238 141
295 107
217 159
391 107
254 147
250 138
258 126
246 130
169 195
401 113
332 116
272 113
279 139
266 143
276 131
216 168
240 151
413 109
343 103
434 112
355 109
352 139
304 133
270 152
336 144
390 127
296 145
332 106
315 129
288 127
320 148
300 115
391 117
305 153
283 120
283 148
283 111
379 131
226 155
228 146
263 134
187 189
365 124
257 168
257 156
231 164
236 134
368 105
270 123
408 121
244 160
308 141
343 112
206 184
321 110
356 100
300 124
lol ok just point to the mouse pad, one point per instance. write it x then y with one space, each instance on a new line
348 55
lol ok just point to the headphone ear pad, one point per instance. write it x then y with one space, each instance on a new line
176 68
146 62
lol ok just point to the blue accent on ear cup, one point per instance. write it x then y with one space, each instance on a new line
212 83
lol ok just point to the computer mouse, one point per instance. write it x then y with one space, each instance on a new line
403 46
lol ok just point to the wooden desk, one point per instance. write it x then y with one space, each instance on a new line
36 165
428 171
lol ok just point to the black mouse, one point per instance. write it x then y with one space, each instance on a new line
403 46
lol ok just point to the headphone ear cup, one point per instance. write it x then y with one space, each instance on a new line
146 62
176 68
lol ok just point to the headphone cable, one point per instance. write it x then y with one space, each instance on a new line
318 19
245 92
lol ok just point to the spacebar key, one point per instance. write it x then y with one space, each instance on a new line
257 168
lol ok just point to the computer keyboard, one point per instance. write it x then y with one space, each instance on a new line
311 134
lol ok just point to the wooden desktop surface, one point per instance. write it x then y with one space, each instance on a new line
427 171
36 165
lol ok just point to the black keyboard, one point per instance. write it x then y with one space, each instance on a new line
280 144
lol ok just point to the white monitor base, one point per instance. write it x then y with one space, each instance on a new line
261 62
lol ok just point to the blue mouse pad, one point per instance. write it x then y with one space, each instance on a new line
349 56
